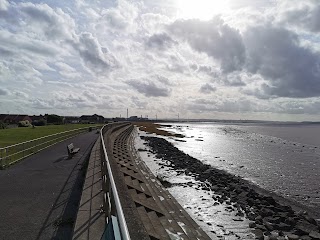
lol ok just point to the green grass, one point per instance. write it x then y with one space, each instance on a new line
17 135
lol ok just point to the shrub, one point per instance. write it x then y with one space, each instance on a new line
41 122
54 119
3 125
25 123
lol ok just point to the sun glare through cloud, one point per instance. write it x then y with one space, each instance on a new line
201 9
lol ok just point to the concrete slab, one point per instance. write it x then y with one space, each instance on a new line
90 223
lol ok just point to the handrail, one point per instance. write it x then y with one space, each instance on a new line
51 135
122 222
16 152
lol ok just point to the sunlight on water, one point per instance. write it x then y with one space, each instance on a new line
286 167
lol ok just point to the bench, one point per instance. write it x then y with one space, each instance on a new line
72 150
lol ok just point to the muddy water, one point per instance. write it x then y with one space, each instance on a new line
284 159
217 220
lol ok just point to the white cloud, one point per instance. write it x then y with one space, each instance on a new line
4 5
120 19
67 71
55 24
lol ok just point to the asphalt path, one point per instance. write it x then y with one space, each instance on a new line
39 196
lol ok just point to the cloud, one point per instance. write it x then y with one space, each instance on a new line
215 38
67 71
207 88
290 70
62 100
4 5
160 41
20 94
238 4
138 103
297 107
154 22
155 87
94 56
4 91
235 79
120 18
302 14
55 24
234 105
14 44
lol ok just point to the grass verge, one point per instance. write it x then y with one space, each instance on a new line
17 135
9 137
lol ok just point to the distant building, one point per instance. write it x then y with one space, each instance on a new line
136 118
71 119
118 119
14 118
92 119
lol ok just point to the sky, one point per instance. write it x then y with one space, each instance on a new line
217 59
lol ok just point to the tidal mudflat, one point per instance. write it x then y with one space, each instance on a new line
226 204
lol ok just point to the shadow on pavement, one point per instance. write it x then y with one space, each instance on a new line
63 213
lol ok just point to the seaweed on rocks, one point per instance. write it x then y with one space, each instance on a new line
267 214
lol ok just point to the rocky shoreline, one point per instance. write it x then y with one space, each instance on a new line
271 216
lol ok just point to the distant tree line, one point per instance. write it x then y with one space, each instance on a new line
54 119
3 125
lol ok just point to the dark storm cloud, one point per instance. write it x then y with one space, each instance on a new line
157 87
214 38
290 69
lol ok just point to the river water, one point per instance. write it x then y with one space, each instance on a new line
282 158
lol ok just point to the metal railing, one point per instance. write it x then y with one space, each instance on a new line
112 205
14 153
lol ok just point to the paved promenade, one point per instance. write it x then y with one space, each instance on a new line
39 196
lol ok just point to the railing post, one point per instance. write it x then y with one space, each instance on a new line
5 156
1 157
